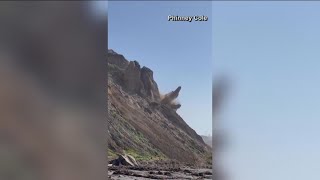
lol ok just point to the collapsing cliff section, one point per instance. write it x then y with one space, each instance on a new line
143 123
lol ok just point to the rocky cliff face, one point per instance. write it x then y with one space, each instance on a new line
144 124
150 86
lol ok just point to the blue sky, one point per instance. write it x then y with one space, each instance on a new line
179 53
271 52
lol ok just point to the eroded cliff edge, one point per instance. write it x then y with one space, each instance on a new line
144 123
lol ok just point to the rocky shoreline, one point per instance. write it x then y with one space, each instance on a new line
149 172
158 169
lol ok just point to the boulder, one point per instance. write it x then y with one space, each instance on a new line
125 160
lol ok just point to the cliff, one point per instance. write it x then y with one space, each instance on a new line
144 123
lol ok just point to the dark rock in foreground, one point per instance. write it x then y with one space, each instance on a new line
125 160
158 172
